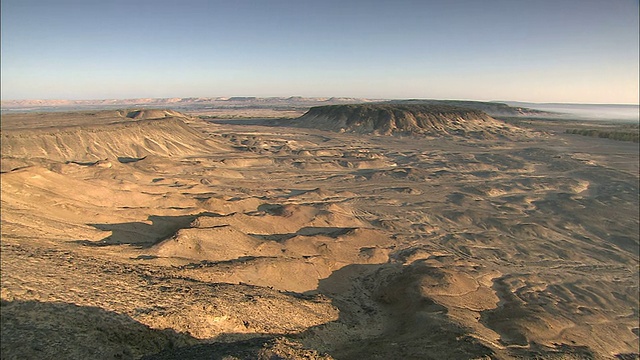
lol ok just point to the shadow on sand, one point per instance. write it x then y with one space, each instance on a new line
143 234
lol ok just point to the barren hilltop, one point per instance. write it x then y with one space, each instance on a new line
155 234
433 119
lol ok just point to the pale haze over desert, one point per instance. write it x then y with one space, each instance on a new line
319 180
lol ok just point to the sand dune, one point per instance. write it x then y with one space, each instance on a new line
152 234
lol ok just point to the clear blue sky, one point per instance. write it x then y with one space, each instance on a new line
582 51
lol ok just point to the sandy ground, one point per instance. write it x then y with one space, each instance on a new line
167 237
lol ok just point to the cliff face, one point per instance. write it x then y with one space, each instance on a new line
389 119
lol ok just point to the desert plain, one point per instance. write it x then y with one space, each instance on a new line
158 234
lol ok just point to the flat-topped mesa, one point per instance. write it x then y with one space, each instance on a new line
390 119
149 114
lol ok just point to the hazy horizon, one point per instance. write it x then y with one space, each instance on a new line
517 102
562 52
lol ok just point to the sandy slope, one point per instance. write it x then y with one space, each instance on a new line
125 235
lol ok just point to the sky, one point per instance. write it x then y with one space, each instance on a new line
578 51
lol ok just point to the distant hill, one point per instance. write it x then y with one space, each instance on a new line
208 105
149 114
88 138
188 102
404 118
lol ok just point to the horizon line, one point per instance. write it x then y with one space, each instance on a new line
225 98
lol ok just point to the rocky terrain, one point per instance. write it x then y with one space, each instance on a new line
153 234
